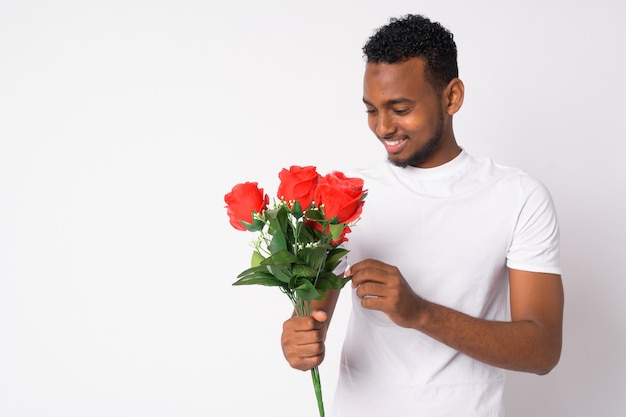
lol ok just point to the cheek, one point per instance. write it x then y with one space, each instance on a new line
415 124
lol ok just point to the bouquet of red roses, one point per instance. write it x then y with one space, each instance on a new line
299 236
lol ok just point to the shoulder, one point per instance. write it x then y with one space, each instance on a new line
511 177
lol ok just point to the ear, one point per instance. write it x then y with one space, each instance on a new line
453 96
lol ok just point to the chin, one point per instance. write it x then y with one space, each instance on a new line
402 163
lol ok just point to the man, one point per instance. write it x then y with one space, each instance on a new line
455 262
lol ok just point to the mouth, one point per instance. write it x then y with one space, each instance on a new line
394 145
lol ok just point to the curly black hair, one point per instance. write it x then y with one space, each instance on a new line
416 36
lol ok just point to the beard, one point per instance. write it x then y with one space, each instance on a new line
421 155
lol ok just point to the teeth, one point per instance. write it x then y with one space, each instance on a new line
392 142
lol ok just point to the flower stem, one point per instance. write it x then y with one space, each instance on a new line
303 308
317 385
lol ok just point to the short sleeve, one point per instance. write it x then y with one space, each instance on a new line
536 239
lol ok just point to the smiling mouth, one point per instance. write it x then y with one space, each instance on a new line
393 145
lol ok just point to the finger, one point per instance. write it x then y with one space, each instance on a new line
306 364
368 263
304 353
304 357
370 290
301 324
373 303
303 331
368 274
320 316
308 343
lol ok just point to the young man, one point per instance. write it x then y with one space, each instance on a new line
455 262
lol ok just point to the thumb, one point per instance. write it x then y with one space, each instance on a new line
319 315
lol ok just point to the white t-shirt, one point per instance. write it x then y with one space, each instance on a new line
452 231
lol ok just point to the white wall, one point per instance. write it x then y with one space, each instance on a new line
123 124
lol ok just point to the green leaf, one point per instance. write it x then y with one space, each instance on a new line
319 236
334 257
334 220
281 272
284 257
278 219
303 271
257 258
306 233
252 270
329 281
314 257
326 282
322 295
278 242
297 210
260 278
255 226
336 230
306 291
315 215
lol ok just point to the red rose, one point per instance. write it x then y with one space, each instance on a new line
340 196
298 183
242 201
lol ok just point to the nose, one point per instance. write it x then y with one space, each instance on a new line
384 126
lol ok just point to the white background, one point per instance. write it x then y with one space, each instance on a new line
123 124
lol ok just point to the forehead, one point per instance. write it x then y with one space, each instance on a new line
388 81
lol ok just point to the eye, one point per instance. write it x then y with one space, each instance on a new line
370 111
401 111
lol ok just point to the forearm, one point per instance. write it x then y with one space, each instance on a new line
521 345
530 342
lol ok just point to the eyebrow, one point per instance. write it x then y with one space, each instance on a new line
391 102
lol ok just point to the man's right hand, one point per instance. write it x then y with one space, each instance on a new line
303 340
